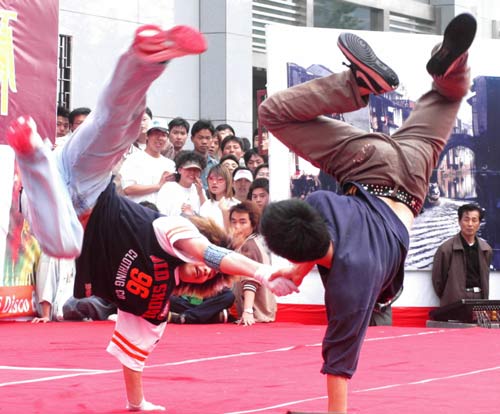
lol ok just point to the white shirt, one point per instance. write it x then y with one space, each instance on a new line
211 209
60 141
141 168
172 196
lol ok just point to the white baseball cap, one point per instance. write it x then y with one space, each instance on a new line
243 174
159 125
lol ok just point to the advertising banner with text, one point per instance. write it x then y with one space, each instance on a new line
28 86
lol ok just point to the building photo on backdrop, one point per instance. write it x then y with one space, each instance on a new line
468 170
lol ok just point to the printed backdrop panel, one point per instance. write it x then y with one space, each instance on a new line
468 170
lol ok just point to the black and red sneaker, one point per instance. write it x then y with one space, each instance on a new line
458 37
372 75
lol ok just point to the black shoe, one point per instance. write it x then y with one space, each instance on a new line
371 73
458 37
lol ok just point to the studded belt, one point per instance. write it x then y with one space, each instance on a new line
402 196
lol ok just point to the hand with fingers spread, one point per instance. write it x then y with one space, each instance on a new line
247 319
40 320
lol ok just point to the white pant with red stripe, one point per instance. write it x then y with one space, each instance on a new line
134 339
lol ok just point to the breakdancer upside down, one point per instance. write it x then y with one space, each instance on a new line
128 254
359 240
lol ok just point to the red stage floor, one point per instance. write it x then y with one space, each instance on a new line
230 369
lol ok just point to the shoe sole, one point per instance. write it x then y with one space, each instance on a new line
458 37
358 52
155 45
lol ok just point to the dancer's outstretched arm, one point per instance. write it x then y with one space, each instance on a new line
197 249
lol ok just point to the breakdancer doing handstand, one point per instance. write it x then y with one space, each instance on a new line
127 253
359 240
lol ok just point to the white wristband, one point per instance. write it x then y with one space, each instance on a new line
248 310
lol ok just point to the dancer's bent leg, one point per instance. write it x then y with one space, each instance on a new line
424 134
293 115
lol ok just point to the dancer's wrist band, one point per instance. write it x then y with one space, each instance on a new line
213 256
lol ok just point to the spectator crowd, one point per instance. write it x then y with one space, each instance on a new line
223 177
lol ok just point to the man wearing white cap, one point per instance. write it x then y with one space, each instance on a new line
242 180
144 173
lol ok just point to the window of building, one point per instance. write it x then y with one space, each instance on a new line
338 14
292 12
64 72
409 24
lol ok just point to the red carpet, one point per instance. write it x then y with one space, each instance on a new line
63 368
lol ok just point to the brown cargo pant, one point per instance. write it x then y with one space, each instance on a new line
403 161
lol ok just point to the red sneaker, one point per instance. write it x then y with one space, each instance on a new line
153 44
22 136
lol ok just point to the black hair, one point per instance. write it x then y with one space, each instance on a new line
184 156
231 138
259 183
78 111
256 131
178 122
148 112
228 157
246 144
470 207
253 151
150 205
295 230
62 111
222 127
202 124
259 167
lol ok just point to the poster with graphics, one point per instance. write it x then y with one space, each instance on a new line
468 169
